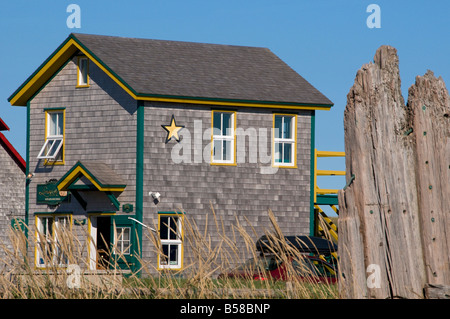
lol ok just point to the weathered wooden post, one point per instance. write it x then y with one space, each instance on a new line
394 232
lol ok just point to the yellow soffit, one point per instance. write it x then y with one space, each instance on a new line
67 50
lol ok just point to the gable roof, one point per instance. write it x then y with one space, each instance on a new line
12 152
159 70
99 174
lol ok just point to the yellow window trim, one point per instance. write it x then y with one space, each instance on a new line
234 139
36 234
62 160
295 141
78 72
181 216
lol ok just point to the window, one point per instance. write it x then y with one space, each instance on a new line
83 72
284 140
223 137
54 136
123 235
170 234
52 247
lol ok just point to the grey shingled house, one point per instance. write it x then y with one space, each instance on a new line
126 134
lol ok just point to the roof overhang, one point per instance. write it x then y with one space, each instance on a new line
102 177
72 45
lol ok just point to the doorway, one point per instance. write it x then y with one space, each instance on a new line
103 242
100 242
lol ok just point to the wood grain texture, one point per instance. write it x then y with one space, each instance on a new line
383 210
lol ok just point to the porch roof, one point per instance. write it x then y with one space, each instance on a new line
102 176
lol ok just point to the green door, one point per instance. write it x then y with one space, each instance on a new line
123 240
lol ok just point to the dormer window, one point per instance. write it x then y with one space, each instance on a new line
83 72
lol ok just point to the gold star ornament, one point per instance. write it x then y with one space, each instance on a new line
172 130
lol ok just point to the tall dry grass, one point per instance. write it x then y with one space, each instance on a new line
198 279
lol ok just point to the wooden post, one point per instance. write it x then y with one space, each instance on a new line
385 249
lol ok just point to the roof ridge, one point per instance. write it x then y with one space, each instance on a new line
75 34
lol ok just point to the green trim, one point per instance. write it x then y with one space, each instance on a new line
146 95
113 200
103 64
139 175
198 98
27 171
54 108
52 213
39 68
327 200
311 176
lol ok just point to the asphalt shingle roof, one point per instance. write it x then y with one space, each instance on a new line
199 70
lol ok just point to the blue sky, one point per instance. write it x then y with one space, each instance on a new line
326 41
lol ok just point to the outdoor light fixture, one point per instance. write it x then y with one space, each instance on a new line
155 196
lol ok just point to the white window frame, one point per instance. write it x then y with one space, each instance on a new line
122 245
219 136
283 140
55 256
171 242
48 150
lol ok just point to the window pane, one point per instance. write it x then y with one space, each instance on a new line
59 130
227 150
287 153
173 254
56 123
125 234
164 227
227 124
53 124
165 254
83 71
217 127
278 124
287 127
53 147
217 150
278 152
174 228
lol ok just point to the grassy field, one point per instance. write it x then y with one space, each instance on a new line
19 279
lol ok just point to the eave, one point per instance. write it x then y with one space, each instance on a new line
71 45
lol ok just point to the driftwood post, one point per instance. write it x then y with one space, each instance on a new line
394 222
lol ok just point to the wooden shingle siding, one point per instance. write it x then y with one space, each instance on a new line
240 190
12 195
100 125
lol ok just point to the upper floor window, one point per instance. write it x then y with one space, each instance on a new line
284 140
54 136
83 72
223 137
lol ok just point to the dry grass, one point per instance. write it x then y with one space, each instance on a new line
19 278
